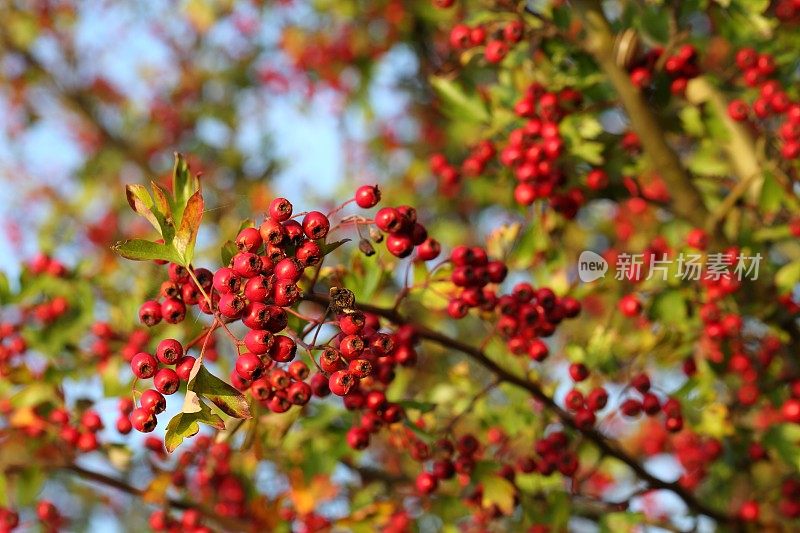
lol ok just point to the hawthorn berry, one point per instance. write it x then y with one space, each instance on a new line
166 381
144 365
143 420
367 196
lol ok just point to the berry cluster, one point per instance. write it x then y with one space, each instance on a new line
405 233
680 67
651 405
50 518
499 39
772 101
474 165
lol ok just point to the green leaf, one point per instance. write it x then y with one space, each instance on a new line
771 195
190 224
692 121
621 522
421 434
328 247
424 407
184 185
785 439
591 152
669 307
457 103
185 425
5 289
142 250
787 277
498 491
231 401
227 252
655 24
164 212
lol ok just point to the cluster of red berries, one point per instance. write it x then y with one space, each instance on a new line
205 467
498 41
790 498
44 264
532 151
473 166
449 459
405 233
190 521
361 362
527 314
12 346
48 514
696 454
680 67
49 310
472 273
554 455
772 101
166 381
82 435
584 406
650 404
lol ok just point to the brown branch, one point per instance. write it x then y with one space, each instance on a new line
603 443
228 524
686 199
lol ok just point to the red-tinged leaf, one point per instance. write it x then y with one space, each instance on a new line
142 250
141 203
228 399
190 224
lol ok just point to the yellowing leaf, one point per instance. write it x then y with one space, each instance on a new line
498 491
714 421
156 491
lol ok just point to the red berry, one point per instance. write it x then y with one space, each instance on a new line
341 382
249 240
249 366
426 483
357 438
226 280
309 253
280 209
495 51
246 264
578 372
272 231
143 420
629 305
166 381
367 196
316 225
154 401
258 341
429 249
144 365
749 511
399 244
388 219
184 367
169 351
283 349
173 311
150 313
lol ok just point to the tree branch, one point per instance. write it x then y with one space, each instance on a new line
603 443
686 199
